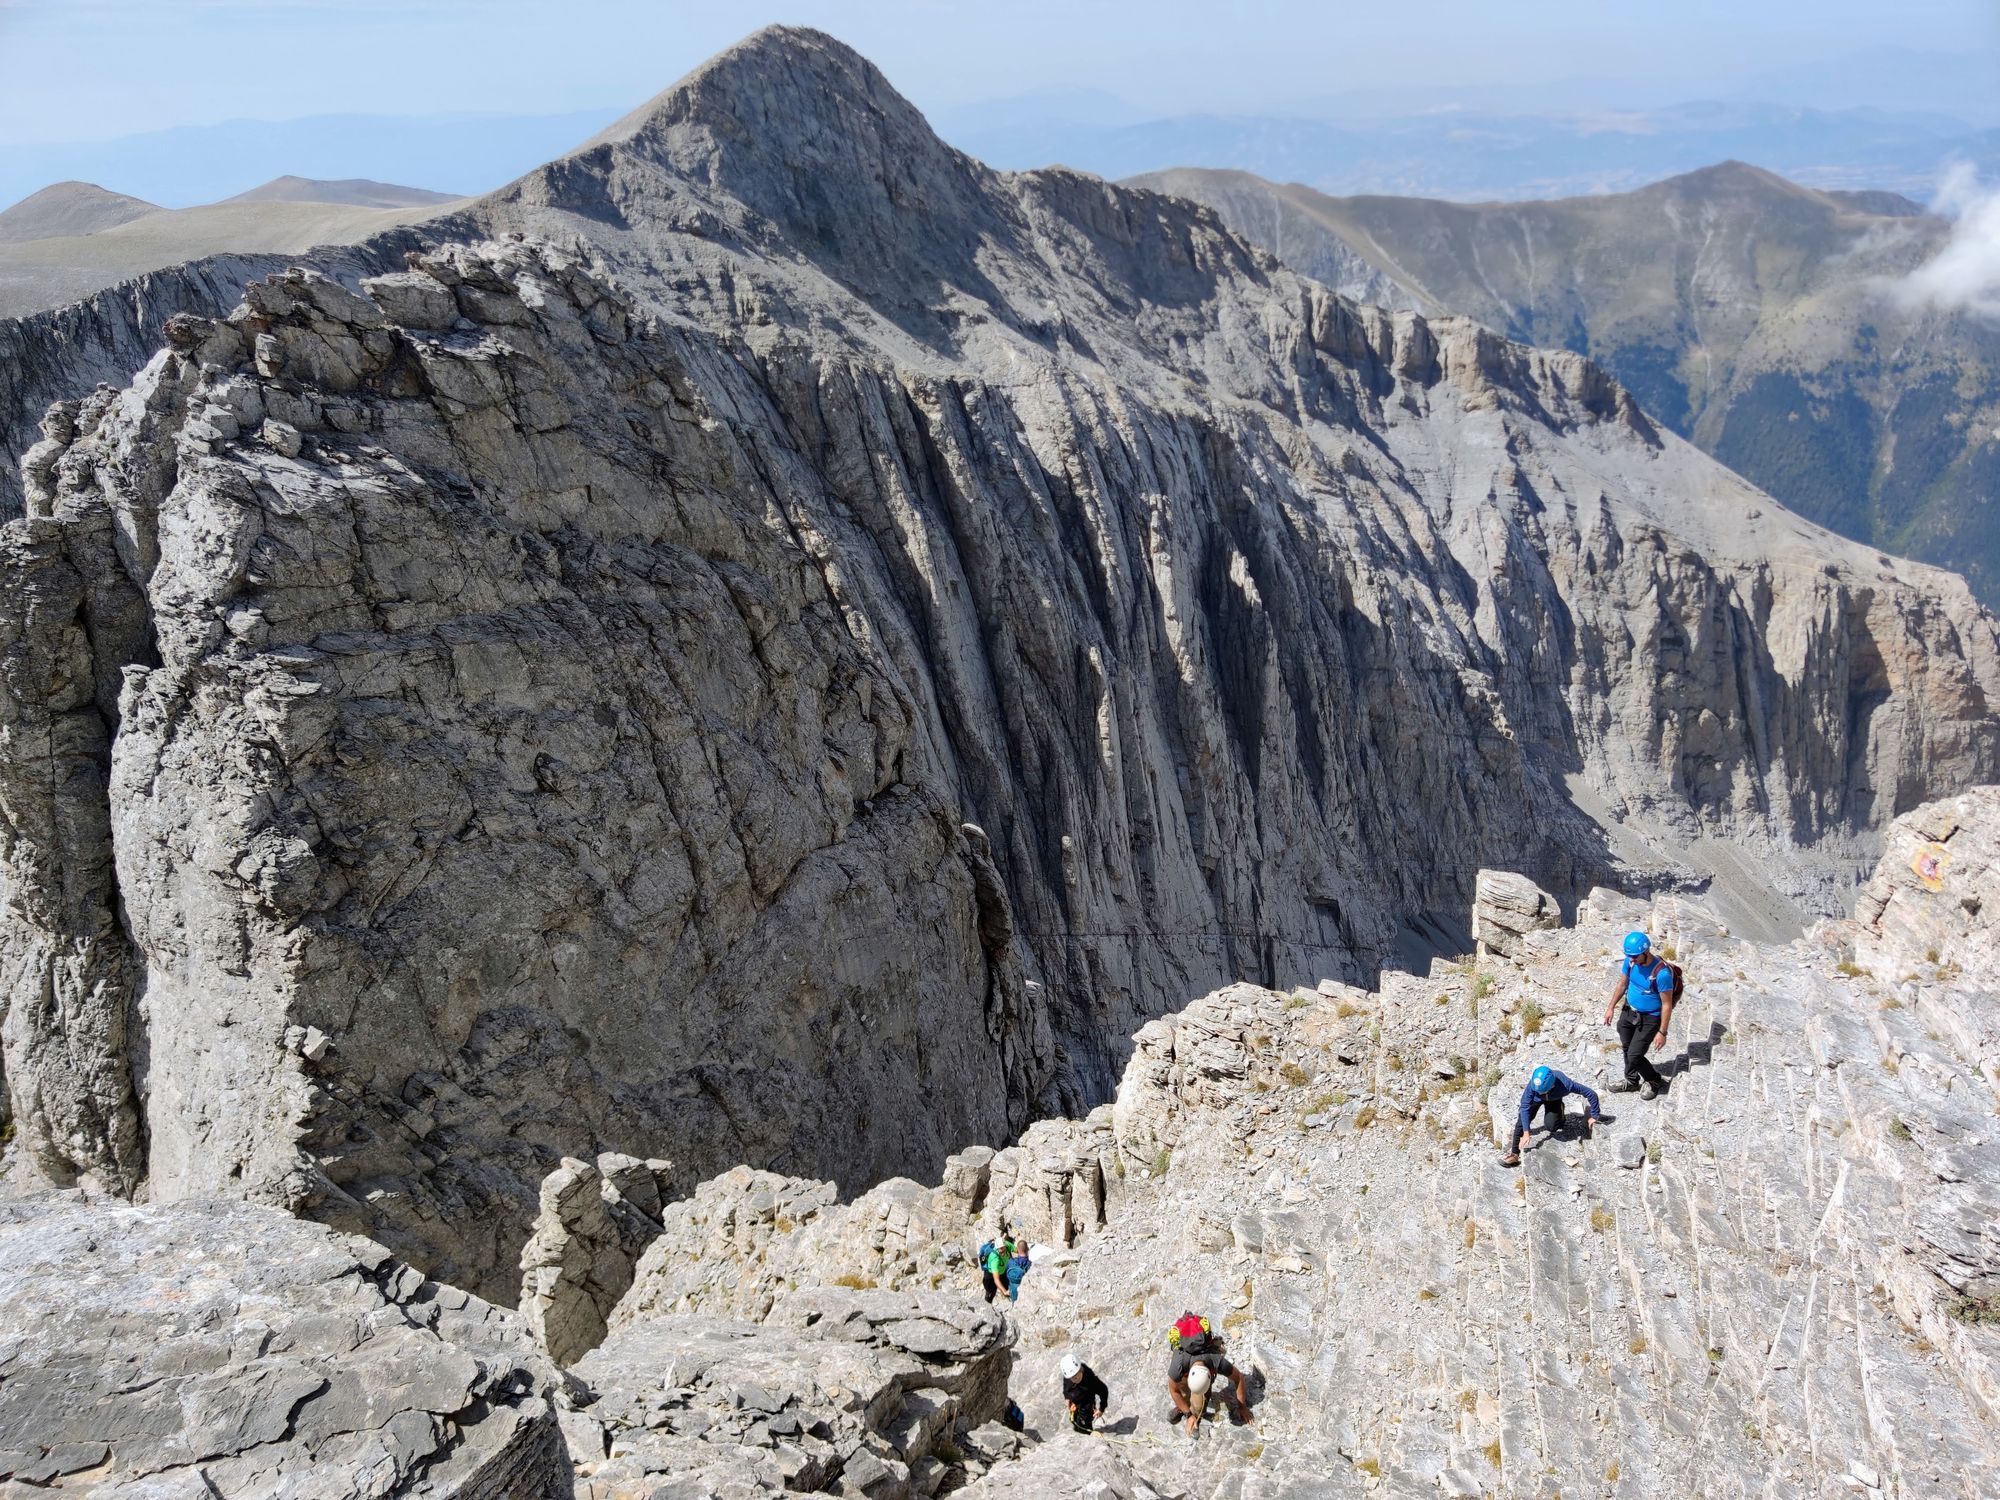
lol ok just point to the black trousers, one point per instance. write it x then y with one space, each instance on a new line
987 1282
1636 1030
1543 1111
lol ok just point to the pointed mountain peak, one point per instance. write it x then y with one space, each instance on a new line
786 84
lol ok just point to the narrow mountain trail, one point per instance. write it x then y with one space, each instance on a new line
1713 1320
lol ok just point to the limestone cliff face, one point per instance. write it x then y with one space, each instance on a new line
855 631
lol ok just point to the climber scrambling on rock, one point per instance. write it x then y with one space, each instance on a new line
1195 1366
1648 985
993 1258
1084 1393
1544 1095
1017 1267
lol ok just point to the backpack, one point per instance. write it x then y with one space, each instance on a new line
1013 1417
1680 980
1191 1335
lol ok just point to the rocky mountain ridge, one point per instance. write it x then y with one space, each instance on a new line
1754 316
1776 1279
694 693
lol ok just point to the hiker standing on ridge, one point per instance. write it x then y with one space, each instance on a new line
1546 1090
1084 1393
1648 985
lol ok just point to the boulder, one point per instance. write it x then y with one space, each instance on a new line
224 1349
837 1387
1506 907
596 1220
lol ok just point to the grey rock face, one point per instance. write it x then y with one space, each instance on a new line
595 1222
227 1350
1506 907
561 680
844 1391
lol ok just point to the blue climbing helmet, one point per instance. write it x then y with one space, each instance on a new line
1540 1079
1636 943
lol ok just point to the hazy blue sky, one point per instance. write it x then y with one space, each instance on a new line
86 69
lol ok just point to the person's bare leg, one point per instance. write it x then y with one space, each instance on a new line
1243 1400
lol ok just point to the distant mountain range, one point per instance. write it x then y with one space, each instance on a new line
75 238
1466 154
1751 314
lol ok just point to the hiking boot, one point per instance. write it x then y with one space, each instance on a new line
1624 1086
1511 1159
1649 1092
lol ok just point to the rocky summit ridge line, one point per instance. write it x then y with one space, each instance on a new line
801 627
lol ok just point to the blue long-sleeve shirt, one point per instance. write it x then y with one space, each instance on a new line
1562 1086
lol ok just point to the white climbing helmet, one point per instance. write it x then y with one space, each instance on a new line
1071 1367
1199 1378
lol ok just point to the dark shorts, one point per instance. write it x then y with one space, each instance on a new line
1180 1362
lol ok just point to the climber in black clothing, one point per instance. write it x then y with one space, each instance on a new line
1083 1393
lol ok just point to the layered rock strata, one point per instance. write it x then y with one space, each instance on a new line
807 652
226 1350
848 1392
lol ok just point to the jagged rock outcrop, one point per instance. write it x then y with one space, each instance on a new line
1934 900
1506 907
847 1392
596 1220
855 629
226 1350
1777 1278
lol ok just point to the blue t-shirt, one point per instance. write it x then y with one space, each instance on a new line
1646 986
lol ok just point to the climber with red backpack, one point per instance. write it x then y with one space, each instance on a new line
1195 1365
1648 986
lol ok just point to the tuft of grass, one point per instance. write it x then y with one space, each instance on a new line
1348 1008
945 1451
1427 1295
1506 1025
1261 1085
1669 951
1715 1356
1468 1401
1254 1452
1892 1003
1851 969
1471 1234
1482 986
1978 1308
1492 1452
1442 999
1369 1466
1364 1117
1638 1345
1897 1129
1889 1063
1611 1474
1162 1160
854 1281
1653 1152
1752 1431
1297 1001
1295 1075
1531 1017
1602 1218
1930 955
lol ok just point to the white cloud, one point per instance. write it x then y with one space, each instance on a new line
1965 275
